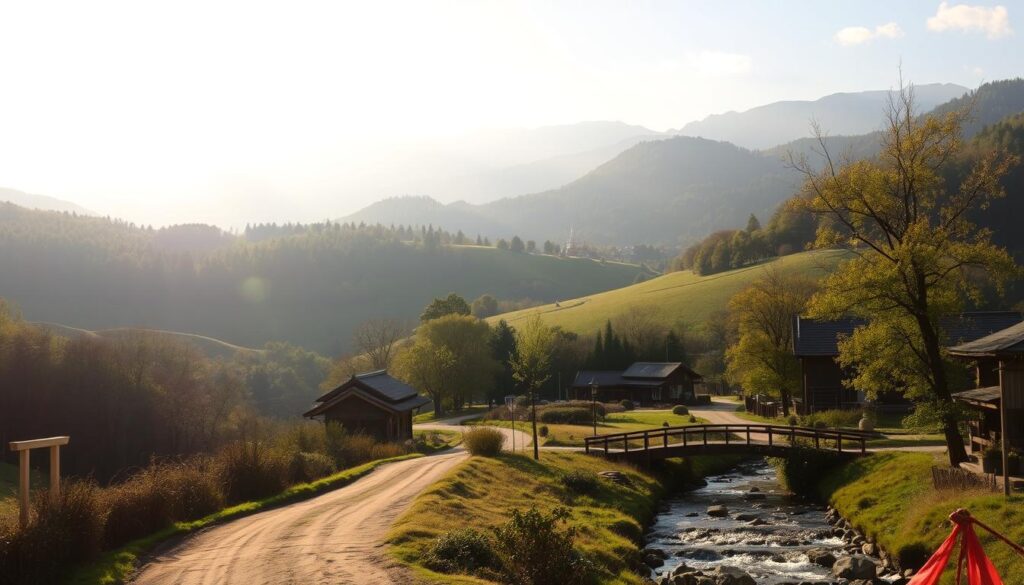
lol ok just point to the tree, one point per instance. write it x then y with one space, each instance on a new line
549 247
503 350
453 304
753 224
484 306
426 367
502 244
458 349
517 245
762 360
531 246
531 366
378 339
917 255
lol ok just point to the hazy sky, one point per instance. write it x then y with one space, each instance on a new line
235 111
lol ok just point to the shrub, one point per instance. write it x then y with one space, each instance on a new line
832 418
483 441
566 415
803 468
251 470
680 409
793 420
580 482
627 404
463 550
533 551
305 467
693 419
543 430
913 555
601 408
604 409
61 533
159 495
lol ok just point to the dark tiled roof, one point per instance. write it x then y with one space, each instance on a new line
990 394
379 382
1006 341
652 370
605 378
814 337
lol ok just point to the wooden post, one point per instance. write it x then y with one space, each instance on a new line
23 487
24 448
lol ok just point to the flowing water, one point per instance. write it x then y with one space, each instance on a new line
766 532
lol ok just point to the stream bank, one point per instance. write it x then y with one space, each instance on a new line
744 528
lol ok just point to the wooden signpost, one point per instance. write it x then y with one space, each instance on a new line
24 448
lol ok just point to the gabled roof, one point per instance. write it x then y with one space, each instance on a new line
378 382
653 370
610 379
816 337
356 392
1009 341
990 395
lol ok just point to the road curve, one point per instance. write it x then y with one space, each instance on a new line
334 538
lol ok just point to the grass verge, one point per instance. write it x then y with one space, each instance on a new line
115 566
889 496
482 491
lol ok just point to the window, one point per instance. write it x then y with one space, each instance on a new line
656 393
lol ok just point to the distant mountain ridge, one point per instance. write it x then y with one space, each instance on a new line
670 191
840 113
42 202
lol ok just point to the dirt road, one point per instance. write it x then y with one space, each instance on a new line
335 538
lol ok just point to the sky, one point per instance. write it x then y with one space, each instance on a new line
230 112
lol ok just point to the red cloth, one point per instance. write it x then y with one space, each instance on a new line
979 568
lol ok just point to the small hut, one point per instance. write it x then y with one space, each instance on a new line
373 403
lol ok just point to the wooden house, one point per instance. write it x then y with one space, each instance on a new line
816 346
999 408
373 403
644 383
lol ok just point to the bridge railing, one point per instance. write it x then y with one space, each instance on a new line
725 434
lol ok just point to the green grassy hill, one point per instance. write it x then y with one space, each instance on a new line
672 298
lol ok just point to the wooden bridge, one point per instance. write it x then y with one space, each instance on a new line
717 439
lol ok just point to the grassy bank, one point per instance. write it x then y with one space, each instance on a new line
890 497
481 492
115 566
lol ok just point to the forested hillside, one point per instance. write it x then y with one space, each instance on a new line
658 192
306 284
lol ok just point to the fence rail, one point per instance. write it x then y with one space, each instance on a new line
753 435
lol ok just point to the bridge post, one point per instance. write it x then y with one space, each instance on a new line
863 446
792 436
839 441
685 433
647 444
665 437
727 435
586 446
705 435
817 440
625 443
606 445
770 435
748 434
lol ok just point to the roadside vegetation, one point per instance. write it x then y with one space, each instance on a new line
874 493
892 429
267 466
560 494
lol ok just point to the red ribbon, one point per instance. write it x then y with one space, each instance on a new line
979 569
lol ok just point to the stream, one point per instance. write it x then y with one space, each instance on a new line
765 532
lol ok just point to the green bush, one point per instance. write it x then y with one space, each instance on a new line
306 467
580 482
534 551
483 441
627 404
159 495
680 409
61 533
913 555
543 430
463 550
566 415
832 419
693 419
803 468
793 420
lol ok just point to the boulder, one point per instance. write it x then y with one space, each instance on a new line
717 511
868 548
681 569
653 561
692 514
656 552
724 575
854 567
821 557
746 516
757 522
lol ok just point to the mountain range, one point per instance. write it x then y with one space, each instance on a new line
42 202
673 191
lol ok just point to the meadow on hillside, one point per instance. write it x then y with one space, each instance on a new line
678 297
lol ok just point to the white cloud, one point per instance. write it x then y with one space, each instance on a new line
718 63
994 22
858 35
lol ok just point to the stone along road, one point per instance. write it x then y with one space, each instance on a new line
335 538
